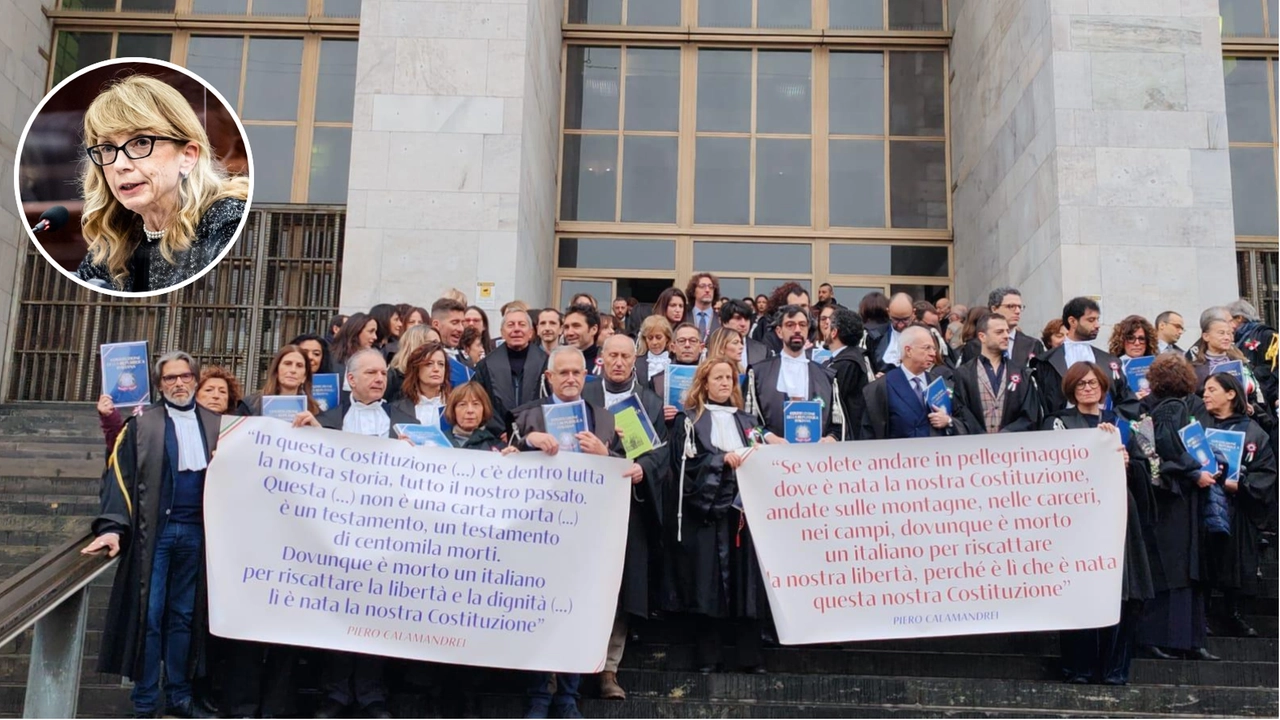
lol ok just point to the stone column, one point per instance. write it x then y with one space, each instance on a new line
454 151
1090 155
24 36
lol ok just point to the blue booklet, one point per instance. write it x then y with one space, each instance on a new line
938 395
1229 444
1197 443
125 375
283 407
459 374
1235 368
564 422
802 421
679 380
423 435
326 388
822 356
1135 371
1126 430
630 417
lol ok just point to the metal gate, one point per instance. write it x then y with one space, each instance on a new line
281 279
1258 281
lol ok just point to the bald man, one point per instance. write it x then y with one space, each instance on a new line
887 355
896 404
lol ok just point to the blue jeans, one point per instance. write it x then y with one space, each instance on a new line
171 602
566 690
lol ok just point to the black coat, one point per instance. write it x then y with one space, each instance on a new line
529 418
875 420
1176 557
1049 369
1021 401
333 417
480 439
853 374
769 405
713 570
135 485
1025 347
758 352
1235 566
494 375
642 566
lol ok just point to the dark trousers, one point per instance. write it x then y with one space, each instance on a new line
258 679
1101 654
747 635
171 602
566 690
353 679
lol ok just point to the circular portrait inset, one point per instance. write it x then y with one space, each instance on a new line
134 176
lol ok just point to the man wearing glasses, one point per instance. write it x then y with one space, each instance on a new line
703 292
1007 303
153 511
1169 329
887 354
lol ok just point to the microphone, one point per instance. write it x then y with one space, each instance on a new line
52 219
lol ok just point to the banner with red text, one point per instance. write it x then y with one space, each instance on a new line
333 540
947 536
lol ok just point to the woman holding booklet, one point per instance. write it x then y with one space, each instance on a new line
426 385
1250 485
289 374
714 573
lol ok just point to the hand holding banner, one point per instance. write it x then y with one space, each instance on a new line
334 540
965 535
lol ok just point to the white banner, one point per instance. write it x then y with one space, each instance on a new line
333 540
950 536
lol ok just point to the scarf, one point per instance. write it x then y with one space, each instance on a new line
427 410
793 377
725 435
658 363
190 440
617 392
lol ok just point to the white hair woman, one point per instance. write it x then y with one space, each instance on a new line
158 209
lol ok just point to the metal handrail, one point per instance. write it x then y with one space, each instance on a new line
51 595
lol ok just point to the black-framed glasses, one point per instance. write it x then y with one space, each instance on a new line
136 148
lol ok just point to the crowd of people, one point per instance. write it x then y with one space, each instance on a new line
689 552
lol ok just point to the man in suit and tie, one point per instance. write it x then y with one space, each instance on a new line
736 315
512 373
1007 303
1169 329
790 376
1080 319
703 292
885 354
897 403
993 394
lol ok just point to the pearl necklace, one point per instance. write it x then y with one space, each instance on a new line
152 235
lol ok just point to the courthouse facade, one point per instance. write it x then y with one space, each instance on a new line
1124 149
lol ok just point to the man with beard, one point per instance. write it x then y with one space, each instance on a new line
703 292
512 373
623 318
1080 319
790 376
580 330
686 349
649 475
851 368
791 293
549 320
992 393
897 403
1007 303
153 509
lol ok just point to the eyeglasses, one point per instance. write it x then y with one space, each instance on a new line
1088 384
1136 339
180 377
137 148
686 342
705 286
1014 306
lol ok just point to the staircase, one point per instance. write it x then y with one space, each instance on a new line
51 457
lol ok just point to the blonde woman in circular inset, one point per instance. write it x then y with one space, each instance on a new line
158 209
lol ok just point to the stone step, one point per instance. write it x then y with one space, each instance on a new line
20 487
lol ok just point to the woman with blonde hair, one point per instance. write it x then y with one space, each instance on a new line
726 342
158 208
653 347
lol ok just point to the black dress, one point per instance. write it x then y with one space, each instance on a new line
148 270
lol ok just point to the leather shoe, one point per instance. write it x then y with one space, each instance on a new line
377 709
1240 628
187 709
609 687
538 711
1160 654
330 709
1202 654
568 710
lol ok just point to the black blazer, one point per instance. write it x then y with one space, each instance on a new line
758 352
494 375
1049 369
529 419
1021 401
768 404
333 417
875 421
1025 347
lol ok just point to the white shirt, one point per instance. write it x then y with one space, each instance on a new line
793 376
911 380
368 420
1077 351
427 410
893 356
699 314
190 443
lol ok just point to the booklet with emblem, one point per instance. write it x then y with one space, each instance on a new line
679 380
125 375
1235 368
283 407
821 356
326 388
638 435
938 395
1230 445
564 421
1135 371
802 421
459 373
423 435
1196 442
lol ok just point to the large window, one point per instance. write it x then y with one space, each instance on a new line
772 15
292 85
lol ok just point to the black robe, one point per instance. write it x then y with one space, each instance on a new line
853 373
712 569
1176 556
641 569
529 418
333 417
494 375
1235 567
769 405
1050 368
134 485
1021 400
